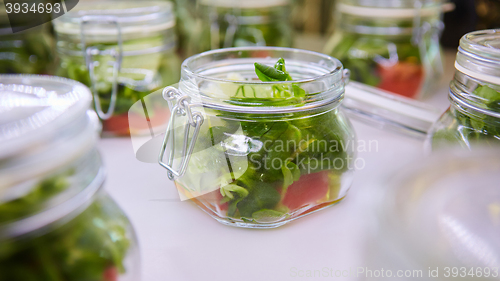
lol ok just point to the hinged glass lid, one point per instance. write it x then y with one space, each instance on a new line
36 109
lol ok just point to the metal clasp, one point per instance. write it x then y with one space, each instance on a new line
90 52
195 119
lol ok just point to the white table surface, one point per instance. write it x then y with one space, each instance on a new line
180 242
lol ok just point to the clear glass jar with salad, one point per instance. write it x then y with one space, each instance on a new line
56 222
392 45
474 113
29 51
122 51
256 136
227 23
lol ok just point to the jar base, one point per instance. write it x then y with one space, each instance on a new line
266 225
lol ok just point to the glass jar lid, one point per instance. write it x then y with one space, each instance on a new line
225 80
445 210
479 55
110 18
254 4
43 125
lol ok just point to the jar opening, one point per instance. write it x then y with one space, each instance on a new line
227 76
387 11
484 44
254 4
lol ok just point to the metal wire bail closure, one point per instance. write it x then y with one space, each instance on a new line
90 52
182 107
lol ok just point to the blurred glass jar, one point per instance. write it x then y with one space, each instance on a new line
56 222
474 114
392 45
123 51
439 219
227 23
262 153
29 51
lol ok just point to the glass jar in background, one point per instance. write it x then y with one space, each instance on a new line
393 46
262 153
474 114
438 219
56 222
226 23
29 51
122 51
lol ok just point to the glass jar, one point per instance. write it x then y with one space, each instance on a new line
438 219
474 113
28 52
56 222
122 51
261 153
392 45
243 23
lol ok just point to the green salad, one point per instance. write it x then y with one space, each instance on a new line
91 246
392 64
138 76
464 128
270 167
27 52
274 30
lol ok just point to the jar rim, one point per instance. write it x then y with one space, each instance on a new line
475 43
394 11
254 4
62 212
185 65
326 84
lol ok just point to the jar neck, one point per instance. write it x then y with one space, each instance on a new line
245 17
471 97
412 25
226 80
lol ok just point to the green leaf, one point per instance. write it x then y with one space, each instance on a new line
263 196
487 93
266 213
267 73
228 189
291 173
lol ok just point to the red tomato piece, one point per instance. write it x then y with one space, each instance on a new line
116 124
403 78
110 274
308 189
